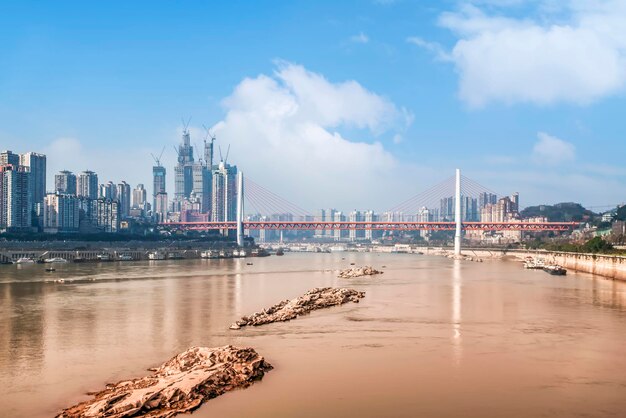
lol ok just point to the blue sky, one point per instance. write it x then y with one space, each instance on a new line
353 104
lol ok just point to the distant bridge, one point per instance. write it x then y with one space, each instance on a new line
378 226
452 191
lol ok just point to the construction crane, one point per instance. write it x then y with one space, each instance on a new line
158 160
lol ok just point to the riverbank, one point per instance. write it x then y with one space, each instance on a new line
608 266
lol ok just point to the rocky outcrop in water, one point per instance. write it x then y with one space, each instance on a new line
178 386
358 272
314 299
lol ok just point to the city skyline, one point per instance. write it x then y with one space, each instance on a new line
391 84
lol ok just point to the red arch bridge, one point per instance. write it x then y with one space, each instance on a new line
380 226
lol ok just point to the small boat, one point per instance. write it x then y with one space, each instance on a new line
555 270
248 264
125 257
25 260
533 264
259 252
280 252
79 260
55 260
156 255
104 257
49 269
209 254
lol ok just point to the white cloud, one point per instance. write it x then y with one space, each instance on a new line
503 59
361 38
432 47
552 150
282 131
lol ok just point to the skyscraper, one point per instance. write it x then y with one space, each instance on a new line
36 164
183 176
15 197
160 207
65 182
224 193
87 185
139 197
123 196
158 182
8 157
61 213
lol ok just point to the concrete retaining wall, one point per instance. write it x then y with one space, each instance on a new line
610 266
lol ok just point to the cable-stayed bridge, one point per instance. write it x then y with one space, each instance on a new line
458 196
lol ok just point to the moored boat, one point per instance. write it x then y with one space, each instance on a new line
555 270
55 260
156 255
25 260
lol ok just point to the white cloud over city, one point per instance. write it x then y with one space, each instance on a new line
570 52
283 131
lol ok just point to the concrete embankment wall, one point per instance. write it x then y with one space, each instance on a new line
610 266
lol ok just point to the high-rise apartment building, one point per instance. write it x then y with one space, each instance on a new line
15 197
139 197
105 215
160 207
183 175
61 213
123 196
65 182
87 185
8 157
158 182
36 164
224 193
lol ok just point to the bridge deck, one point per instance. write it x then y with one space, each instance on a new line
386 226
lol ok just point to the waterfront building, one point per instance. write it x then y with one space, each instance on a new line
108 191
424 215
485 199
87 185
158 182
469 209
183 173
105 215
160 207
356 234
123 196
15 197
338 233
65 182
224 193
201 179
36 164
9 158
61 213
139 197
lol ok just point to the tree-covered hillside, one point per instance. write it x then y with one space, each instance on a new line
561 212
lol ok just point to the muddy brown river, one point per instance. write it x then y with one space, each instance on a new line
432 337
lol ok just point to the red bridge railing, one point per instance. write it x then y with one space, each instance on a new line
386 226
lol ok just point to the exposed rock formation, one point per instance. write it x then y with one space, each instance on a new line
358 272
180 385
316 298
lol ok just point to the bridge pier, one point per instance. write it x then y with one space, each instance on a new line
240 209
457 214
